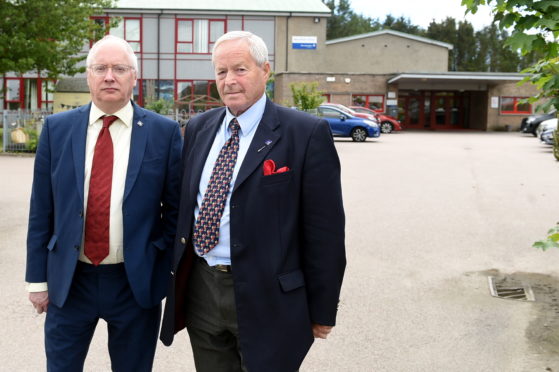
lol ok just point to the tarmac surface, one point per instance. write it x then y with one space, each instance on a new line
429 217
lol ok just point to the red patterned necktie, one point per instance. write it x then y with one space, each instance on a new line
206 229
99 199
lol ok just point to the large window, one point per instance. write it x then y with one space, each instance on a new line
28 94
128 28
198 35
513 105
374 102
195 96
14 93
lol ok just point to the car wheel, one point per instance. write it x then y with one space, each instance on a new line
358 135
386 127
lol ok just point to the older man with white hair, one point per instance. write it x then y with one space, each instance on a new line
259 254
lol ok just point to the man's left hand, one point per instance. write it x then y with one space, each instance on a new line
321 331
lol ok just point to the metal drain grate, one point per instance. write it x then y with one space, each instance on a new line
510 292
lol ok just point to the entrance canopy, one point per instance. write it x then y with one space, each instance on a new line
453 80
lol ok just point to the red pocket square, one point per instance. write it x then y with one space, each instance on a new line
270 168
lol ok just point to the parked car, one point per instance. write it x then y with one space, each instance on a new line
352 112
545 125
530 124
343 124
547 136
387 123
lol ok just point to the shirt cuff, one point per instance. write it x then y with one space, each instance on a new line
37 287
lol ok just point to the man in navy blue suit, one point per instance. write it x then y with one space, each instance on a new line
259 254
102 220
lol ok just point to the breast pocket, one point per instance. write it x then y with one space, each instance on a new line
277 178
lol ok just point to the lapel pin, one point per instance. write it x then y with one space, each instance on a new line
140 123
267 142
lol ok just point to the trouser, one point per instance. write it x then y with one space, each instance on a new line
101 292
211 320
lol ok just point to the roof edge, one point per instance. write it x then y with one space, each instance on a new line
394 33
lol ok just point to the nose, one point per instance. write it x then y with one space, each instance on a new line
109 75
230 79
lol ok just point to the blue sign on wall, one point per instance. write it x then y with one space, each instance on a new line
303 42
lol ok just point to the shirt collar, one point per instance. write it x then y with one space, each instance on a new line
125 114
248 119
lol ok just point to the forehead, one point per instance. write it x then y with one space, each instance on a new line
111 53
233 52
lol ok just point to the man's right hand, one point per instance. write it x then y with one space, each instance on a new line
40 301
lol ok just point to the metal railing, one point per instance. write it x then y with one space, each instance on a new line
21 129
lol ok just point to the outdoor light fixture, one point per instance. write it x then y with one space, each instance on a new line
347 80
316 20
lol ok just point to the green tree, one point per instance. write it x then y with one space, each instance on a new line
306 96
401 24
46 35
444 31
345 22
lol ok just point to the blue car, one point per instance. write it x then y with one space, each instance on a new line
345 125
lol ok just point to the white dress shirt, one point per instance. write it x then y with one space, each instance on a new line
248 121
121 133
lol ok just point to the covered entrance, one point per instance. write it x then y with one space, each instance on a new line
445 101
433 110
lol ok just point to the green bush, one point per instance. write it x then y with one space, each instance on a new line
161 106
306 96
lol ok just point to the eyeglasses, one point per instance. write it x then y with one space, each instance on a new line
118 70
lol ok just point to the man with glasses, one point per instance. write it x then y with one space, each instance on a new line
102 218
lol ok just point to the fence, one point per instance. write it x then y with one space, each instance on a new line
21 129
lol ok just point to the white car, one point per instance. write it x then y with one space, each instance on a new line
546 125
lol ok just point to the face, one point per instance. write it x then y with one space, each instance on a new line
240 81
110 92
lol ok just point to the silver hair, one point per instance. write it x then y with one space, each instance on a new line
257 48
115 39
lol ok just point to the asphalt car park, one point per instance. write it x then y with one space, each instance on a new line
429 216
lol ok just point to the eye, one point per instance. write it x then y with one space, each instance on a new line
99 69
120 69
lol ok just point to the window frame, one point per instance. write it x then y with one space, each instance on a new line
192 41
515 104
367 99
106 21
192 90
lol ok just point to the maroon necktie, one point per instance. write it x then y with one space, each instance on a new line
99 200
206 229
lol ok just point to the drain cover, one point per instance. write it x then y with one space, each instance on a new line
510 291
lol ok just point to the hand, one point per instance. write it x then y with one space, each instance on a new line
40 301
321 331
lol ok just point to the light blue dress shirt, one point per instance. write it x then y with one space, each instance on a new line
248 121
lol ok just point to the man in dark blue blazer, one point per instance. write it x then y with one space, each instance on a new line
255 296
98 247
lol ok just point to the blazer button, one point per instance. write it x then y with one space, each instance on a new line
183 241
81 214
77 247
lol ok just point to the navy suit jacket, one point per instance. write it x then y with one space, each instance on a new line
287 235
150 204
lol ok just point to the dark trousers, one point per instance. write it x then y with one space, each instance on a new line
211 320
101 292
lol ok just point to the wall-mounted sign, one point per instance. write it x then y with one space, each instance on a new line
392 102
303 42
494 102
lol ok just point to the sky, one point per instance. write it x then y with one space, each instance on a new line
421 12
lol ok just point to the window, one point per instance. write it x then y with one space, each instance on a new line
47 92
514 105
127 28
14 93
198 35
197 95
137 93
374 102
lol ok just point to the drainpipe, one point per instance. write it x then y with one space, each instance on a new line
158 49
287 43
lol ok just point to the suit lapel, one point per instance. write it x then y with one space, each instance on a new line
200 149
79 135
138 143
264 140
